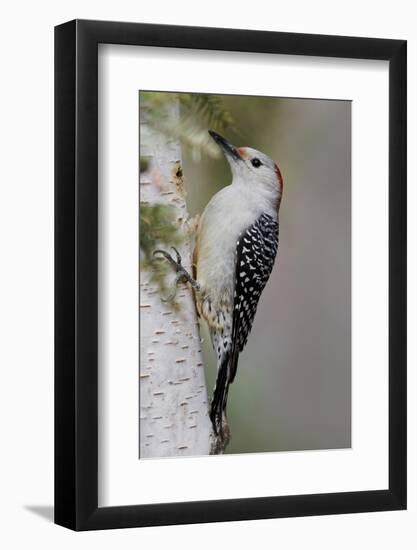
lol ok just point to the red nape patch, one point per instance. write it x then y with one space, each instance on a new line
279 177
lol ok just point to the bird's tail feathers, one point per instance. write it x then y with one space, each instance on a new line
219 401
225 376
234 357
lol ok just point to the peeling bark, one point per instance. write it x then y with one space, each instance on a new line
173 395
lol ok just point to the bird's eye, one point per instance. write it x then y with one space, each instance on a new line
256 163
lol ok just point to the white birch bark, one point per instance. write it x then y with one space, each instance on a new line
173 396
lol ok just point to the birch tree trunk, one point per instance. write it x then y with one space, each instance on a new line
173 396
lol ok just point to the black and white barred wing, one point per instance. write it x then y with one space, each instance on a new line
255 255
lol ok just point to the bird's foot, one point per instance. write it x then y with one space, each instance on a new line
182 275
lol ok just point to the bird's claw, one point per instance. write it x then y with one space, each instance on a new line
182 275
179 259
177 264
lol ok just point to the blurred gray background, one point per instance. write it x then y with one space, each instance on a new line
293 386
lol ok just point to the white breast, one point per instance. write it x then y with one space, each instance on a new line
228 213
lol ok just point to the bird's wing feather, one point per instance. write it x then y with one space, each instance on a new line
255 255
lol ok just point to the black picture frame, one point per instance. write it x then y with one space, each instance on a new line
76 271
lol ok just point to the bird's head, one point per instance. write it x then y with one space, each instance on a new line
251 167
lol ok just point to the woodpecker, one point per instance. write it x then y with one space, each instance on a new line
235 250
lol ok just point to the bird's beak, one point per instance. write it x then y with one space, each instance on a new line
228 149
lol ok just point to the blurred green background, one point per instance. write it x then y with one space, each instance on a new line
293 386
